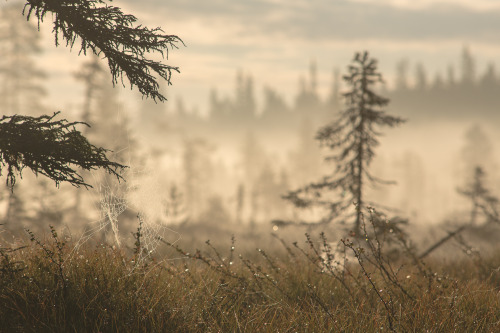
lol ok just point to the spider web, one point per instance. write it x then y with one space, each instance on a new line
111 207
112 199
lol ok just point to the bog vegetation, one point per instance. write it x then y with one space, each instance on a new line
313 285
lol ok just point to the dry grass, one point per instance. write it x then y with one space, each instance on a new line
48 286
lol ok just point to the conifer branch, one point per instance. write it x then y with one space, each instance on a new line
105 29
49 147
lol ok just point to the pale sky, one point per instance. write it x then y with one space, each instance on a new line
275 41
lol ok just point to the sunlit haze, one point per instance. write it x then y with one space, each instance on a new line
274 41
284 47
308 166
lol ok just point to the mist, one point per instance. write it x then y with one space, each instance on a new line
231 141
249 166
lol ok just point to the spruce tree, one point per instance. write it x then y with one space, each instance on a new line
21 80
351 139
483 201
21 90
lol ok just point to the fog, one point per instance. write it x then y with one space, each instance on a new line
226 146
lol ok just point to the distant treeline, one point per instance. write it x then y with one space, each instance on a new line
417 97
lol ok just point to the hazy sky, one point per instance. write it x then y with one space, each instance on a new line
275 40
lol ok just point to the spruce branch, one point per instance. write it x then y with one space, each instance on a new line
105 29
49 147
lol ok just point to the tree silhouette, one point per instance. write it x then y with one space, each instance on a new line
198 172
468 67
333 98
477 150
482 200
402 74
21 88
352 139
54 147
92 76
420 77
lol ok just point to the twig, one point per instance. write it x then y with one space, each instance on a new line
441 242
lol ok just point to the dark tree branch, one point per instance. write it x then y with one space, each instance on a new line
49 147
441 242
106 29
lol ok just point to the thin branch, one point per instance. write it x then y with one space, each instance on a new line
441 242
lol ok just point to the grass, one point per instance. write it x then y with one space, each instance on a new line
51 286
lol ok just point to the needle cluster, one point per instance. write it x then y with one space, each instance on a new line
106 30
49 147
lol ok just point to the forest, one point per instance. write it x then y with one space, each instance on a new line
194 221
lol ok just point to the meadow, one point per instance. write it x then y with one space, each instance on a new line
374 283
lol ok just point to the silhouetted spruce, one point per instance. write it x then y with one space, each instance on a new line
352 139
22 88
481 198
